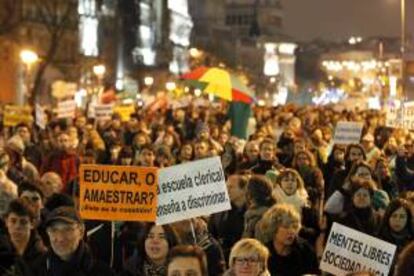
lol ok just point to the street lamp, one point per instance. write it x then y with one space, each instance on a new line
99 70
29 58
148 81
170 85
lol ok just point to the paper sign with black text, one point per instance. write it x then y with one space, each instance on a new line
348 250
66 109
191 190
348 132
118 193
103 111
400 116
41 118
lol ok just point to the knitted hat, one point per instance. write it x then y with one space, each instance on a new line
380 200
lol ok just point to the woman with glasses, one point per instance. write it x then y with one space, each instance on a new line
248 257
289 254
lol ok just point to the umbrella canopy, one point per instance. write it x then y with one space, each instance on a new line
221 83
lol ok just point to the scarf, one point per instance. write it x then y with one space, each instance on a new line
151 269
299 199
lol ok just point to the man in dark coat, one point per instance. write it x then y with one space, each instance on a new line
69 255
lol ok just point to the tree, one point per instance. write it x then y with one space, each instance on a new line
56 16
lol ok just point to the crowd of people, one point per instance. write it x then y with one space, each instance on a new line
287 181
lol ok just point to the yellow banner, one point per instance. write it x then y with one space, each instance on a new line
118 193
14 114
124 111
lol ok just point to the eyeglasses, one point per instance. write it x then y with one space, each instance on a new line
246 260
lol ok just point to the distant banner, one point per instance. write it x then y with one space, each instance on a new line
104 111
118 193
348 133
41 118
66 109
400 116
191 190
348 250
14 114
124 111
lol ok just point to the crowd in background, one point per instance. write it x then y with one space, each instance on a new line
287 182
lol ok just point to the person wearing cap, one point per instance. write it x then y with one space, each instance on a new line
372 152
68 254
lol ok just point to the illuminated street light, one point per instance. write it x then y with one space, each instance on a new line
170 85
99 70
195 53
197 92
28 57
148 81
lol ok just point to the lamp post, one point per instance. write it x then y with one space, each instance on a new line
29 58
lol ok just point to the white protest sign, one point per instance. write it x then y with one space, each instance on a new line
103 111
191 190
400 116
62 89
348 250
41 119
66 109
348 132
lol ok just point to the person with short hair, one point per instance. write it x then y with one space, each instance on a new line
146 156
21 240
187 260
289 254
267 157
68 254
51 183
248 257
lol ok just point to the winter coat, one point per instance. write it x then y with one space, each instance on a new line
364 220
404 175
301 260
251 218
63 163
82 263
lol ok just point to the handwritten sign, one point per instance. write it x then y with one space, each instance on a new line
348 132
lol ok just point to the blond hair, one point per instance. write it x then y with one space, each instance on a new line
276 216
249 247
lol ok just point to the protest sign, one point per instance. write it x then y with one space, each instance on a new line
400 116
62 89
124 111
190 190
103 111
41 118
66 109
14 114
118 193
348 132
348 250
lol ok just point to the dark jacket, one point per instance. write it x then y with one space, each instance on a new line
301 260
227 227
364 220
404 176
262 166
82 263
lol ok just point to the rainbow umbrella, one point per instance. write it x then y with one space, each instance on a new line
220 83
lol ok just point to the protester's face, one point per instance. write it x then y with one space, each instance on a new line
18 227
382 169
116 123
80 122
204 135
302 160
252 151
289 184
140 140
363 172
64 142
267 152
339 155
147 158
51 184
24 133
184 266
168 140
355 154
201 150
299 147
286 234
247 265
33 199
398 220
65 238
361 198
156 245
223 138
186 152
235 192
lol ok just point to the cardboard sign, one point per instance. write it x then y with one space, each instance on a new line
66 109
62 89
191 190
400 116
14 114
118 193
348 250
348 132
124 111
41 118
103 111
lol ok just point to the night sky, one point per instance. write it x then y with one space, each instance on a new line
336 19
